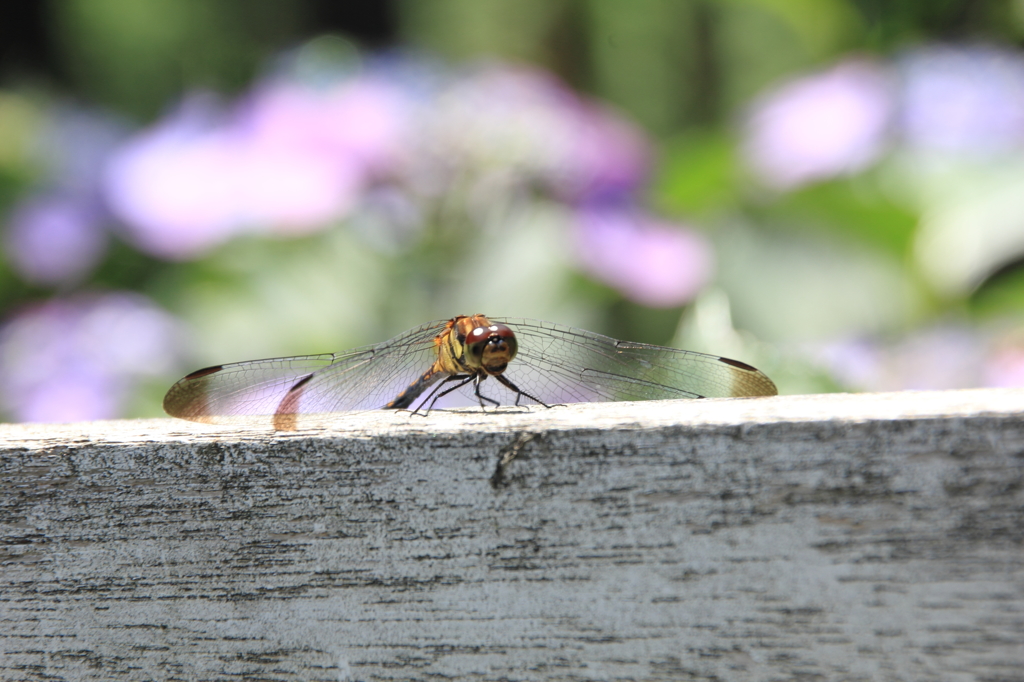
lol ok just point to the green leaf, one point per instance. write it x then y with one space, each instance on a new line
697 175
853 208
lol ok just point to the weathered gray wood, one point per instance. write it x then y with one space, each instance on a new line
872 537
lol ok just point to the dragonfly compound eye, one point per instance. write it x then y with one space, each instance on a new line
491 348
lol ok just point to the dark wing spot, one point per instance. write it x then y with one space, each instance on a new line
737 363
199 373
284 416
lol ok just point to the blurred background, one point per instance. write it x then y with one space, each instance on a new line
832 190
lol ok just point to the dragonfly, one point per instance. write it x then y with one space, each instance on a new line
529 362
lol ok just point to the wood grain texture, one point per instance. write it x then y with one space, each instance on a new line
869 537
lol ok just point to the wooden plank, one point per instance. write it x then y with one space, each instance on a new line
833 537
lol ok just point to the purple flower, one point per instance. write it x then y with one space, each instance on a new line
963 99
609 158
654 263
855 363
80 358
174 186
936 358
820 126
942 357
59 235
527 128
291 159
364 122
54 240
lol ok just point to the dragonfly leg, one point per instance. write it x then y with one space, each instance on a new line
437 393
481 397
519 392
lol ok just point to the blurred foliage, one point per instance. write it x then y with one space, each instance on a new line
854 208
1001 294
902 244
698 174
139 57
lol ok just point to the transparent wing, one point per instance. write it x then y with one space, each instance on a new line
359 379
559 364
555 364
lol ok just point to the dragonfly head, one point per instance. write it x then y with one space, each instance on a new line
490 348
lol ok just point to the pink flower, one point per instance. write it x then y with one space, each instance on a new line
292 159
176 186
654 263
1004 365
364 122
822 126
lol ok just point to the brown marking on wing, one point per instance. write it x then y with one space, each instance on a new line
285 417
199 373
737 363
753 383
188 399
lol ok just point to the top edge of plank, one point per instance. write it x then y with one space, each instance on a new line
818 408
